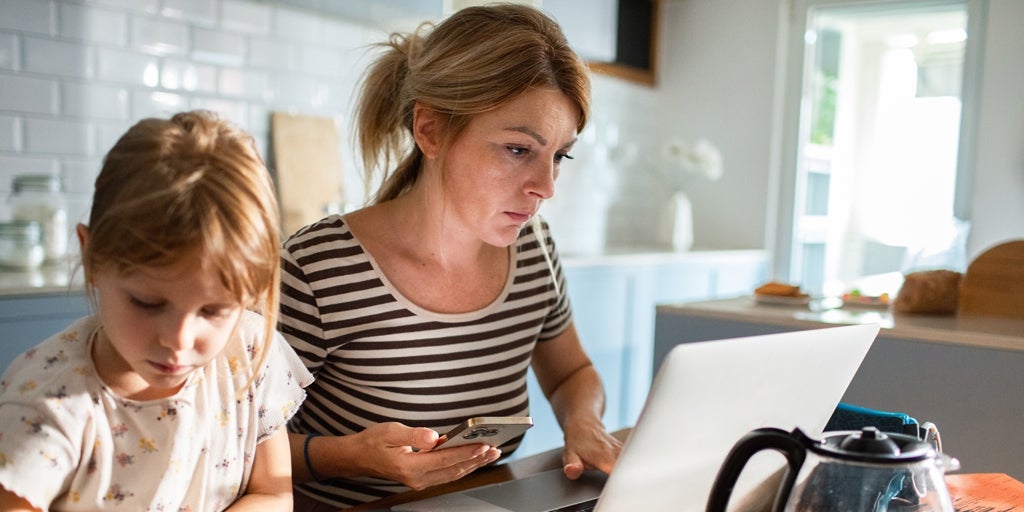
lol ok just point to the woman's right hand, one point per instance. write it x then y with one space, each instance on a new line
404 454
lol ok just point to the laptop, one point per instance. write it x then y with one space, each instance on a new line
704 398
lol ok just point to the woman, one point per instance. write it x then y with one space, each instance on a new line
428 306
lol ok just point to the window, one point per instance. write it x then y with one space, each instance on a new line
878 128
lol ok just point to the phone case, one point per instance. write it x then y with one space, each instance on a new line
489 430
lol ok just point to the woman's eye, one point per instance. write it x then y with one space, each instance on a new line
518 151
561 156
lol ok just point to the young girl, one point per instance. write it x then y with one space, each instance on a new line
173 396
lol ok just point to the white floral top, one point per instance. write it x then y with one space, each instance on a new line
67 442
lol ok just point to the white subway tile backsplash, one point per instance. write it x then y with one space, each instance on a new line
11 166
298 25
92 24
75 74
157 104
107 134
27 94
94 101
321 62
300 92
273 54
349 35
200 12
253 85
10 133
9 54
142 6
127 67
340 94
159 36
259 120
247 17
79 175
61 58
188 76
27 16
51 136
234 111
218 47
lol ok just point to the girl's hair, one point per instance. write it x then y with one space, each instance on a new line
475 61
191 183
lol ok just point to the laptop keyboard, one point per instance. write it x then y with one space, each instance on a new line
586 506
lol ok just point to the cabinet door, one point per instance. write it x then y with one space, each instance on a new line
600 298
657 284
27 321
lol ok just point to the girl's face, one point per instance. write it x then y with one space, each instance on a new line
504 164
159 325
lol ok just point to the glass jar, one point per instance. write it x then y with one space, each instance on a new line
40 197
21 245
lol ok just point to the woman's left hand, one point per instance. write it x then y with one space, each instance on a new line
588 446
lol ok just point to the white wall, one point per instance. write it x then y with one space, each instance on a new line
717 82
998 189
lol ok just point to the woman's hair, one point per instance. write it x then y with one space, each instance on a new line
477 60
191 183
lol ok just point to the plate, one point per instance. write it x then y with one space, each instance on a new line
782 300
865 303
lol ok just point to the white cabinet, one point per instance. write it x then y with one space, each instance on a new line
613 299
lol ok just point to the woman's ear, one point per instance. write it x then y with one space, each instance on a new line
426 129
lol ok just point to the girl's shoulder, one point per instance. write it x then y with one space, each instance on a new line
57 369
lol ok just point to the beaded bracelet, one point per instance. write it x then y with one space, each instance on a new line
305 455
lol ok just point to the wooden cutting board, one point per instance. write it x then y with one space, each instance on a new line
307 165
994 282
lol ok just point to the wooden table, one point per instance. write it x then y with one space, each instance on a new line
973 492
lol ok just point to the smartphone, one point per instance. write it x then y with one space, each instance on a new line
489 430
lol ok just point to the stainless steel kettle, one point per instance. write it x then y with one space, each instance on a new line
866 470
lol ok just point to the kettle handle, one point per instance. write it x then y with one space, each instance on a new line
791 445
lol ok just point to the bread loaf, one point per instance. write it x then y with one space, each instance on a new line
779 289
934 292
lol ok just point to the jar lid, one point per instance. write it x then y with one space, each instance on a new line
37 182
28 230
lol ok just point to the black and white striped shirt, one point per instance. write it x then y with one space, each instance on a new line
378 357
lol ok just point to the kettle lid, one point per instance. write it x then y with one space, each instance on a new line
872 445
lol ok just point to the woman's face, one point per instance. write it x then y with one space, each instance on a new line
159 325
504 164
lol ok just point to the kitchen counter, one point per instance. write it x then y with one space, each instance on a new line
999 333
60 279
654 255
48 280
962 373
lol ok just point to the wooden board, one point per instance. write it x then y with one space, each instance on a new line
994 283
307 165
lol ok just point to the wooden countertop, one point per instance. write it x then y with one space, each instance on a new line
978 331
